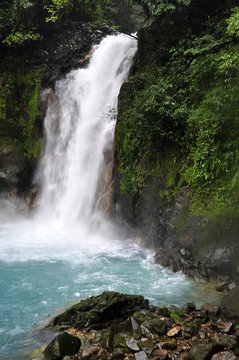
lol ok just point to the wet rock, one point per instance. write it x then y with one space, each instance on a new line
145 330
12 165
160 354
132 344
229 342
230 303
93 353
115 338
134 324
224 355
141 355
189 307
222 326
144 315
147 345
210 309
127 339
163 311
100 311
160 326
170 344
62 345
203 351
175 331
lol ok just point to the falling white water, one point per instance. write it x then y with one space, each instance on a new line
78 127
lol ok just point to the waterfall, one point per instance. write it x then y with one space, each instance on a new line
79 126
57 256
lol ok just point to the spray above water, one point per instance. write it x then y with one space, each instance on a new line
79 126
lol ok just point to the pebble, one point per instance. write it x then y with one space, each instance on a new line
132 344
174 331
141 356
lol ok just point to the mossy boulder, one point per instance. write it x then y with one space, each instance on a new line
62 345
100 311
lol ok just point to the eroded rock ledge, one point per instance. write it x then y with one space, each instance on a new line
118 326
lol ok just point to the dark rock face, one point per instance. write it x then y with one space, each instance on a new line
63 345
231 303
66 48
100 311
12 163
201 249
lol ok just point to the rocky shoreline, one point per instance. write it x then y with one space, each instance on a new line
119 326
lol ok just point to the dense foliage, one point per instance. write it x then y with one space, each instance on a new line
182 120
23 21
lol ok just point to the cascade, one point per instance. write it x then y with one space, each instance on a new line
78 127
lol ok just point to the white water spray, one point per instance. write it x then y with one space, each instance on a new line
78 127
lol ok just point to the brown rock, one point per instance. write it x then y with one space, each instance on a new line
160 354
174 331
210 309
93 353
170 344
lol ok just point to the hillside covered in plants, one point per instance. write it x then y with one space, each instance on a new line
177 136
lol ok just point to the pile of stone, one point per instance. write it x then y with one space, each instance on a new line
117 326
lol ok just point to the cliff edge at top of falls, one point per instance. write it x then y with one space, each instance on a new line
177 143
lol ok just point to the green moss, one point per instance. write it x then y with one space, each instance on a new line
176 315
19 108
142 316
179 119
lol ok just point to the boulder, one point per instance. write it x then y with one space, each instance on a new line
101 311
189 307
224 355
62 345
230 303
210 309
203 351
160 326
